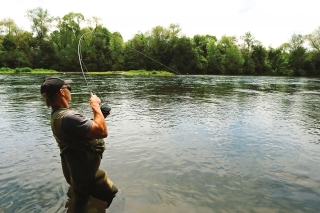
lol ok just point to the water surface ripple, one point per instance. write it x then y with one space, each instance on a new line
175 144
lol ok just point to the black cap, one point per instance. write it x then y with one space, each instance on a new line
105 108
52 85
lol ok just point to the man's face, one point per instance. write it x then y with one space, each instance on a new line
67 91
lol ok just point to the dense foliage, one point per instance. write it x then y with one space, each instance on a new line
53 44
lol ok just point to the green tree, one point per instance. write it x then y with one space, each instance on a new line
246 48
277 61
96 52
134 53
8 43
314 55
259 57
214 58
201 43
117 51
41 22
66 39
314 39
8 26
69 30
297 58
10 55
232 59
159 47
185 57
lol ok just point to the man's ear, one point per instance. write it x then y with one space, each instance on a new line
62 92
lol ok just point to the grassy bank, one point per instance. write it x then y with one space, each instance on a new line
27 70
144 72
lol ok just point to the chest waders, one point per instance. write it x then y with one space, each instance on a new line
80 162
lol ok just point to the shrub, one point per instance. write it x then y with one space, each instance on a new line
5 69
26 69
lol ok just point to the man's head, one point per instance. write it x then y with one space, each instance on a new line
50 87
105 109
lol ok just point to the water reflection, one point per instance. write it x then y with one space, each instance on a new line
176 144
116 205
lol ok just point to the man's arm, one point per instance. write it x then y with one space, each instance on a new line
99 126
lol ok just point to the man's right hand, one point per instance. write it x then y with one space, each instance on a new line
99 127
94 100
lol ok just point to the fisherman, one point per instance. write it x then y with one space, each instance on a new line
80 140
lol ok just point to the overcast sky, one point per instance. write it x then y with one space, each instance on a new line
272 22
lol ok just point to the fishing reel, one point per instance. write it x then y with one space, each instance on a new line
105 109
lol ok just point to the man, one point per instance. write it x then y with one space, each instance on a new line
81 143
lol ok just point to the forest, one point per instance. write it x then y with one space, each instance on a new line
53 43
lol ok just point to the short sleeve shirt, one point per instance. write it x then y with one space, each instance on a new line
76 123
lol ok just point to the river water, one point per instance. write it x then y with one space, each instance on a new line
176 144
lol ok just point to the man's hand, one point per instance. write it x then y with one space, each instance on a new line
99 127
94 100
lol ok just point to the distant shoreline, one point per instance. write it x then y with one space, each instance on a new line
44 71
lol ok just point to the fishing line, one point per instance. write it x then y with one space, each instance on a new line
83 65
155 61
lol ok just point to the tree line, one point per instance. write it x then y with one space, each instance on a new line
54 42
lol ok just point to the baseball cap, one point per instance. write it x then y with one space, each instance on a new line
52 85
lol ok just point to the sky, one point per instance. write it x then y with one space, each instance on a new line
272 22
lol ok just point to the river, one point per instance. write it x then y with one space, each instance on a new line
176 144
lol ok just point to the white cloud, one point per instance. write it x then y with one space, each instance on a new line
273 22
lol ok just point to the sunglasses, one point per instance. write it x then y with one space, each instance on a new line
67 86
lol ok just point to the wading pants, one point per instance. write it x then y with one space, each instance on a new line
81 170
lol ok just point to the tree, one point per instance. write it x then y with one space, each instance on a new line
184 58
314 55
69 30
96 52
201 43
66 40
41 22
159 46
214 58
135 53
259 57
246 49
314 39
277 62
296 42
249 41
8 43
93 23
8 26
231 57
297 58
10 55
117 48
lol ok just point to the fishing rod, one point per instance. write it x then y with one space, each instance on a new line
81 61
